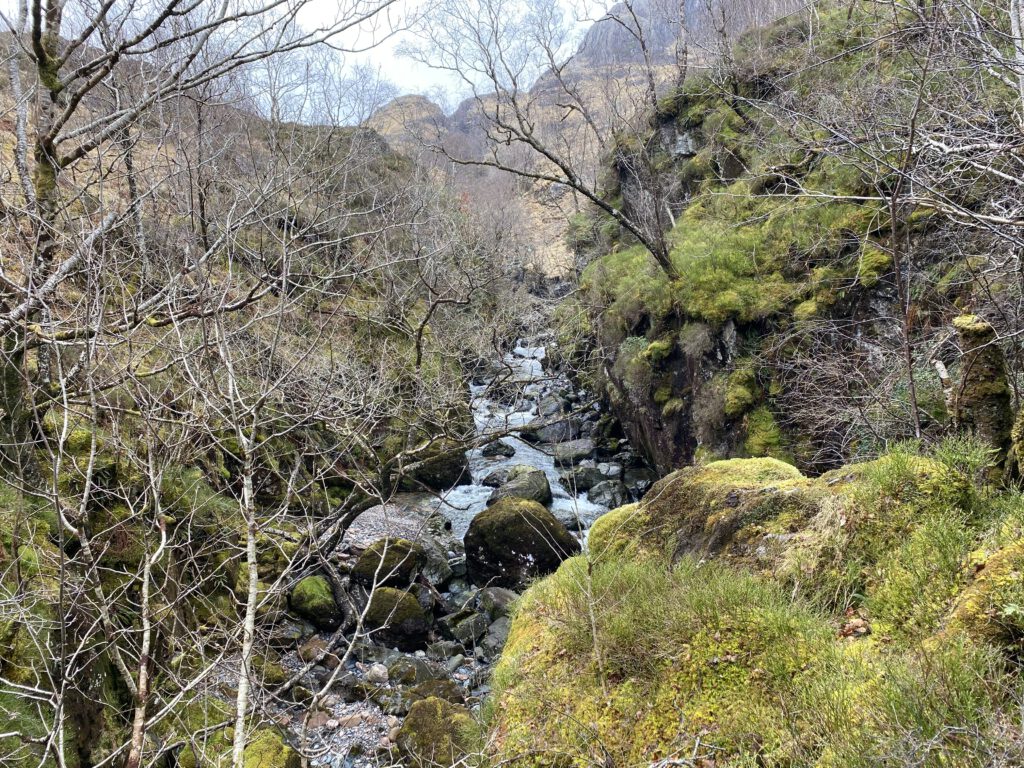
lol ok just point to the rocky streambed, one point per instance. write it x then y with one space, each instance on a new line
445 569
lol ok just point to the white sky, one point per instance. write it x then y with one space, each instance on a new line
413 77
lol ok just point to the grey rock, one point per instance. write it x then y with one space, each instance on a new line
532 485
465 626
498 448
556 432
552 405
582 478
497 478
610 469
377 674
571 453
610 493
638 480
410 670
443 650
496 601
497 635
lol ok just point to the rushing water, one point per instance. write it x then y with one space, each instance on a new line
463 503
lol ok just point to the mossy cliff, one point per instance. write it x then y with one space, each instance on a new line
744 614
782 332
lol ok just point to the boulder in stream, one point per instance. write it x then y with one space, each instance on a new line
389 562
571 453
498 448
514 541
582 478
525 483
610 493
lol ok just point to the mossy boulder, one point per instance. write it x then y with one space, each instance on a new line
982 397
525 483
514 541
397 618
446 467
699 509
389 562
991 608
266 749
313 599
436 733
614 532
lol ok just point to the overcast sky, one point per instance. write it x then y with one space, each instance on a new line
413 77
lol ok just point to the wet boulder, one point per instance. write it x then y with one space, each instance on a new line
435 733
525 483
389 562
446 467
552 405
571 453
396 618
543 431
514 541
497 478
498 448
638 480
312 598
610 493
582 478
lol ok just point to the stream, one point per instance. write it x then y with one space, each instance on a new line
462 503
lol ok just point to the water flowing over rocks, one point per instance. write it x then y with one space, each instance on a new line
434 622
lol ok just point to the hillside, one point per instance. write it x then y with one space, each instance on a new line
658 407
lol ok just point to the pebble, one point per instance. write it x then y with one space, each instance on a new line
350 721
393 734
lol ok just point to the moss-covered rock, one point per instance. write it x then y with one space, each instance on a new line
700 509
389 562
435 733
397 618
991 608
313 599
446 467
982 394
267 749
514 541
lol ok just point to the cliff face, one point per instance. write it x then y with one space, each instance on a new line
803 320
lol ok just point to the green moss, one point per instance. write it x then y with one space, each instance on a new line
397 618
266 749
627 659
872 264
742 391
659 351
764 438
313 599
615 533
982 404
436 733
390 562
991 609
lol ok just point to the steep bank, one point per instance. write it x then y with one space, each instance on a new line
808 305
743 614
